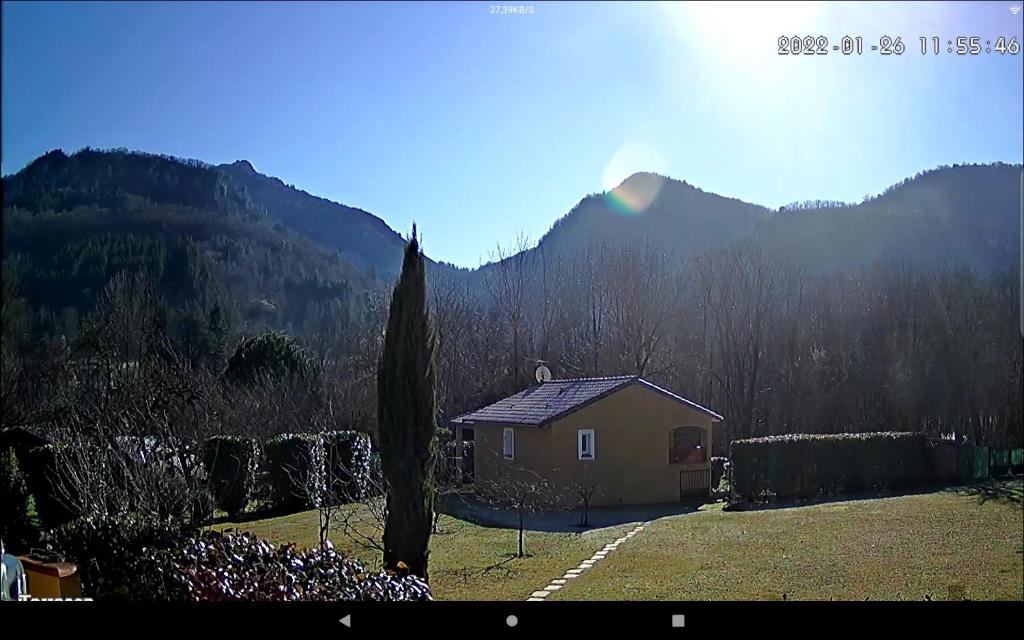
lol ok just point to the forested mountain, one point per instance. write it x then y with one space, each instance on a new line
72 222
962 215
360 237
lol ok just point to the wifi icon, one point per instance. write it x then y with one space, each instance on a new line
1015 10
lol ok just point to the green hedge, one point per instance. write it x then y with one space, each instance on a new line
231 463
295 464
808 466
347 456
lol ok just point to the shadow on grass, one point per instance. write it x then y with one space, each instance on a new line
1007 491
470 509
810 502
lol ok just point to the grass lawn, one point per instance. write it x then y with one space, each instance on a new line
467 562
945 544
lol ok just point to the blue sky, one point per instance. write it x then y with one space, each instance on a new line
482 127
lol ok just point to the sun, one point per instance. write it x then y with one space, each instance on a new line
740 31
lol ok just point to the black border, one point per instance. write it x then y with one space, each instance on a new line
476 619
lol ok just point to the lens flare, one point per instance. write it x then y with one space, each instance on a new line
630 179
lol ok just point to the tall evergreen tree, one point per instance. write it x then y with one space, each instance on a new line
407 418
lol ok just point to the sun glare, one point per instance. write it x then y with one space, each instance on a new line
739 30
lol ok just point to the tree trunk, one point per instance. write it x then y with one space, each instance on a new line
521 534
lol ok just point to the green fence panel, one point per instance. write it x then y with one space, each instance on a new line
980 463
1016 457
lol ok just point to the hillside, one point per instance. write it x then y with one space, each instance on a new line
962 215
71 222
280 256
358 236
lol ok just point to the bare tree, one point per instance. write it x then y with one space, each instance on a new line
521 490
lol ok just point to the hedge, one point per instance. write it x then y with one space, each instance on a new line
811 465
347 456
231 463
295 468
377 483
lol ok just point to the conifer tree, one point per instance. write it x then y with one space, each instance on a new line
407 419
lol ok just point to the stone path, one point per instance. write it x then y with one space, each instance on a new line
572 574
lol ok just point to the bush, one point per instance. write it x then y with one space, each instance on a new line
808 466
18 531
718 472
118 558
377 483
53 507
216 567
146 559
295 468
270 357
468 461
231 463
347 456
446 462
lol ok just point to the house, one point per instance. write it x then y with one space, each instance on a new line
634 441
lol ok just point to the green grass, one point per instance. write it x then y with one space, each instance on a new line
467 562
949 544
944 544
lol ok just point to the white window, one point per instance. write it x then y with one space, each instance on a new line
508 443
585 444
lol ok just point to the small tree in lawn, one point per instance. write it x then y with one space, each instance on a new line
407 419
521 490
585 487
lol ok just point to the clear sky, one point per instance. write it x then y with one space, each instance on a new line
481 127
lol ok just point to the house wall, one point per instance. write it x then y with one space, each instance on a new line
532 456
632 437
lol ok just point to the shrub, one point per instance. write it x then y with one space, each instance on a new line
53 507
807 466
270 356
215 567
137 558
718 470
295 468
376 475
347 456
118 557
446 462
231 463
145 559
17 529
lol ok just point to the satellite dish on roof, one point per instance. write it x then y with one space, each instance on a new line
543 374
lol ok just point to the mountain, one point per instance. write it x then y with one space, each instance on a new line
71 222
283 258
360 237
960 215
653 209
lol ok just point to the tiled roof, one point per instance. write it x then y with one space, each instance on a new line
543 403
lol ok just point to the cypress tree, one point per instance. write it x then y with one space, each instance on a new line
407 419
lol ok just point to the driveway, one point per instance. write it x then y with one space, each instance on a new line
468 507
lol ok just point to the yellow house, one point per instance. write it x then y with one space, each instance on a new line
629 441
